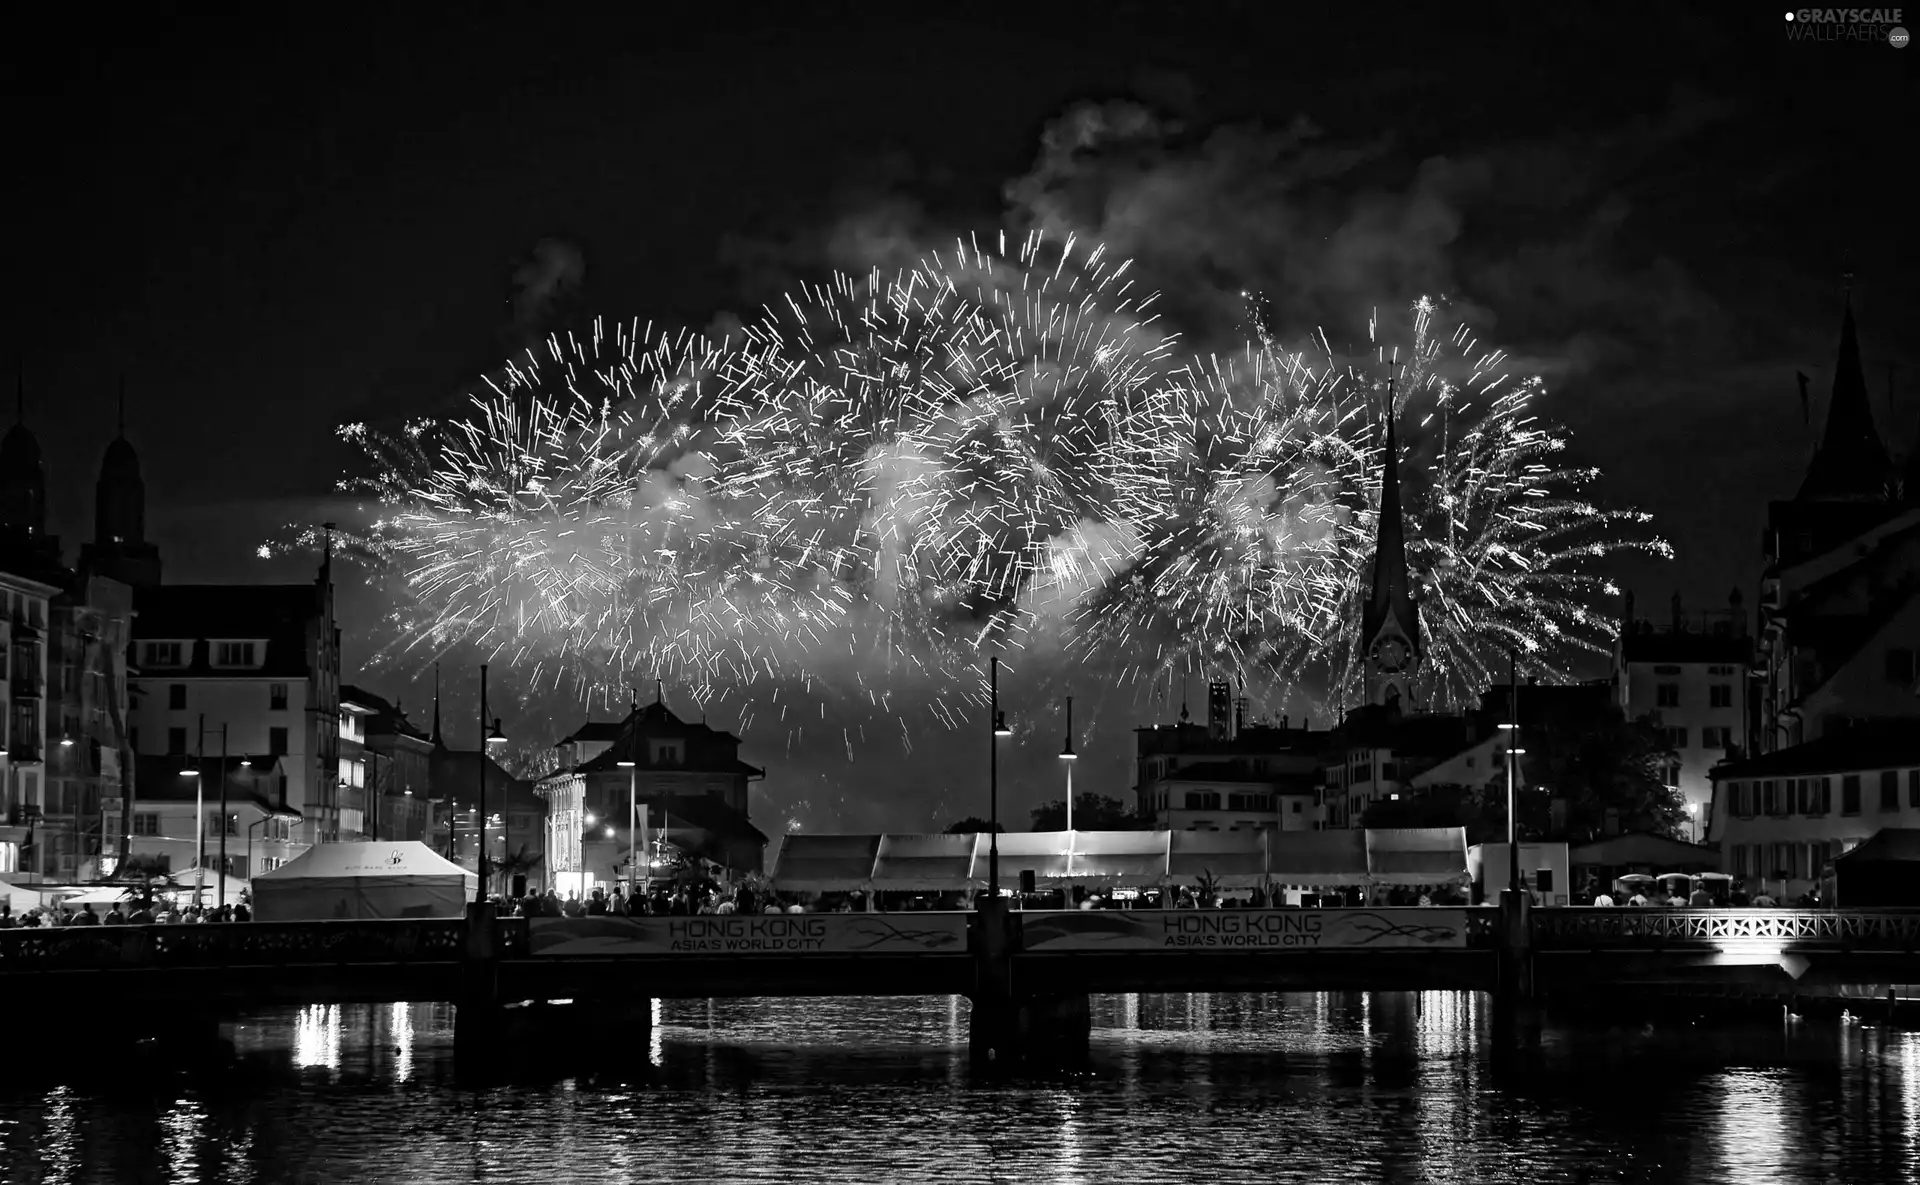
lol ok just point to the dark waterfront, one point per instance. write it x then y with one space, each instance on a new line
1383 1087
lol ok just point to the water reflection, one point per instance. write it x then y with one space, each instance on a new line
1273 1088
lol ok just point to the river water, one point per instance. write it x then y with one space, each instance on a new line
1270 1088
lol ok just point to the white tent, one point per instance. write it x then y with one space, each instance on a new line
21 900
363 880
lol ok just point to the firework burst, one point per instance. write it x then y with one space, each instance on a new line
887 475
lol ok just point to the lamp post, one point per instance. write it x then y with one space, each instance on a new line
1000 729
633 790
1067 758
487 737
1512 729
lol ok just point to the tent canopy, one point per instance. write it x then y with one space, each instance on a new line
1331 858
1889 845
1417 855
1115 858
814 863
363 880
925 863
1233 859
1045 852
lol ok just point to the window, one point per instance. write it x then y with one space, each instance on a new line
176 697
1666 695
666 753
1389 771
147 824
1740 860
1769 798
1720 695
1713 737
176 741
235 654
1850 794
1890 790
1913 788
276 742
1676 737
1737 800
162 654
276 697
1202 801
1900 666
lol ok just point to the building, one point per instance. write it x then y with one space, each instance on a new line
120 550
84 825
516 831
176 819
1229 775
262 661
398 760
1688 677
1376 751
24 611
1781 818
686 783
1840 597
63 686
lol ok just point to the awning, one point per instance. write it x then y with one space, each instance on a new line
1417 856
1316 858
1131 859
1232 859
822 863
925 863
1045 852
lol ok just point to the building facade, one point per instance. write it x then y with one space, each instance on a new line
84 821
1780 819
177 818
24 611
686 785
398 760
1689 678
1228 775
264 662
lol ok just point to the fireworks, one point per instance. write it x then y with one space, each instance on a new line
887 475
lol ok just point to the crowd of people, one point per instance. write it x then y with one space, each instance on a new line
678 900
131 912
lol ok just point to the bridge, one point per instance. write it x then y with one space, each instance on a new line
1027 973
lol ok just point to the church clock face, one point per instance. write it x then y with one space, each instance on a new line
1393 655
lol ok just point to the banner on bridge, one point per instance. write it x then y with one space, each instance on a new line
1245 929
753 934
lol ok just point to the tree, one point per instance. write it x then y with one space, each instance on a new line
974 825
1605 772
521 861
1091 812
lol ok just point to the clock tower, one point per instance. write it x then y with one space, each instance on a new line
1390 627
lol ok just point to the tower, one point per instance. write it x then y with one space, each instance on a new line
1390 627
120 550
23 479
1851 463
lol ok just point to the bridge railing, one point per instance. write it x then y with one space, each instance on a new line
1707 929
235 944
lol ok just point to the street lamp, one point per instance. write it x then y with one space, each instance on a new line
200 815
1067 758
1512 729
487 737
1000 729
633 790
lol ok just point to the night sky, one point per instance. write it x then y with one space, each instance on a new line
270 230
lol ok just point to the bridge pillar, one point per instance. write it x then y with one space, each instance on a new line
478 1018
1516 947
1007 1025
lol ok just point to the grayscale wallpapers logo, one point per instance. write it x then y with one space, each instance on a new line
1848 24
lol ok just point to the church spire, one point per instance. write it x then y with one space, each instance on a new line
1390 627
1851 463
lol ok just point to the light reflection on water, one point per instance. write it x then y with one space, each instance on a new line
1271 1088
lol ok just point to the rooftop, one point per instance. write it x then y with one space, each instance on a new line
1888 746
